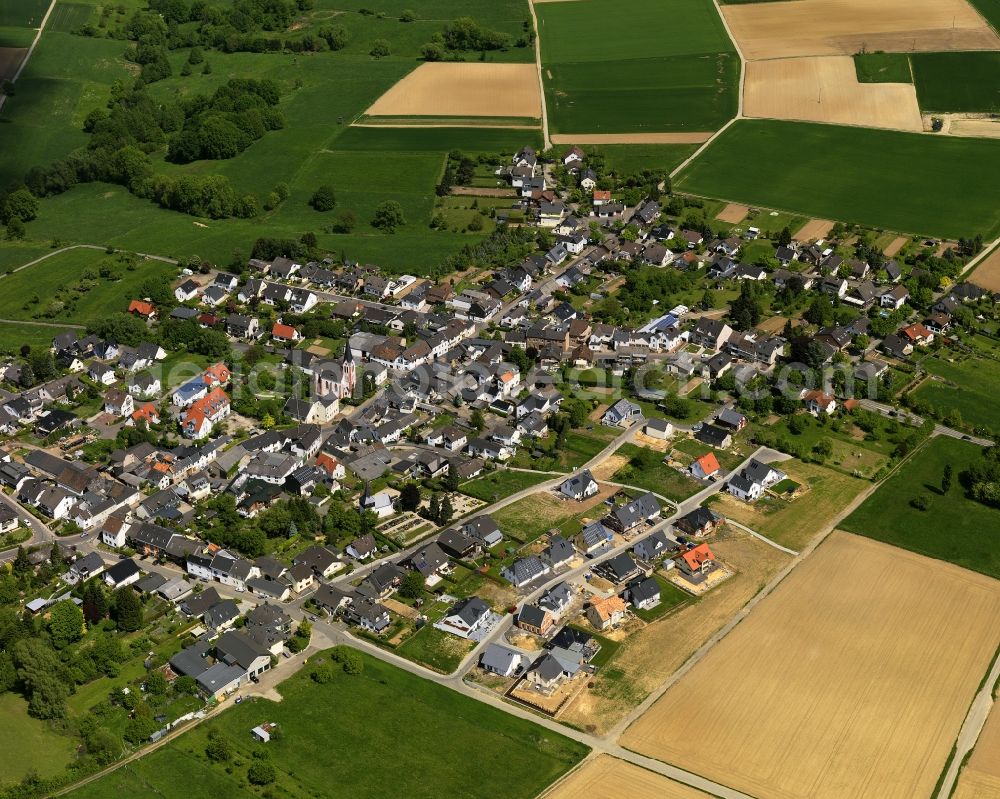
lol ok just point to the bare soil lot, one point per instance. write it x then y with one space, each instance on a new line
980 779
895 245
606 777
652 655
983 128
826 89
10 60
463 90
851 679
987 274
844 27
691 137
734 213
814 229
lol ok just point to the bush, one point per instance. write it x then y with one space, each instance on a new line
261 773
380 48
323 199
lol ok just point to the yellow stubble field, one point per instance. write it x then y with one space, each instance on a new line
852 680
845 27
980 779
606 777
460 89
826 89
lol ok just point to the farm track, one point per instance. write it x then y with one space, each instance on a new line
31 49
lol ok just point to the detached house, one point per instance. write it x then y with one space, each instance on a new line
580 486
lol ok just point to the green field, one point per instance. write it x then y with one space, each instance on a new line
653 475
24 738
957 82
968 386
337 740
15 37
322 93
990 9
882 68
500 484
629 159
637 65
953 528
58 280
22 13
908 182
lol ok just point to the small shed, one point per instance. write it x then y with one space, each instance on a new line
263 732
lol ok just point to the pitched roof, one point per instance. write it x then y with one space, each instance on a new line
708 463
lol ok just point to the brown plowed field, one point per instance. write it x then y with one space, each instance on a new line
463 90
980 779
845 27
987 274
826 89
851 679
10 60
606 777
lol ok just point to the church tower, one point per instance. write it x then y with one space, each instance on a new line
348 375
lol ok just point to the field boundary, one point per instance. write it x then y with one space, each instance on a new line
34 43
546 142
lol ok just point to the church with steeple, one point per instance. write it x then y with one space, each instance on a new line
335 379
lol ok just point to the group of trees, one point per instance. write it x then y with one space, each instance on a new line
133 124
982 478
467 34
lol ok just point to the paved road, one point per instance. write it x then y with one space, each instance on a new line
909 417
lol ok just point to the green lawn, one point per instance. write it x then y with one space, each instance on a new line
15 37
322 93
967 385
435 648
499 484
727 458
957 82
338 740
882 68
63 296
658 478
953 528
27 743
13 336
604 62
781 164
670 597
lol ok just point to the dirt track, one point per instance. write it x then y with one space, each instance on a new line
981 777
606 777
696 137
826 89
463 90
851 679
845 27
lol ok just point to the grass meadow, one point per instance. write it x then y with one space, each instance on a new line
23 739
22 13
322 93
366 716
968 385
882 68
953 528
907 182
27 294
990 9
637 65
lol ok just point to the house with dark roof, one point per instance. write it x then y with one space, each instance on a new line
642 509
466 617
535 619
619 569
579 486
643 593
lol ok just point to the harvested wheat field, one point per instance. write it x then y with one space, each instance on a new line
895 245
10 60
463 90
826 89
845 27
987 274
734 213
652 655
814 229
692 137
606 777
982 128
850 680
980 779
